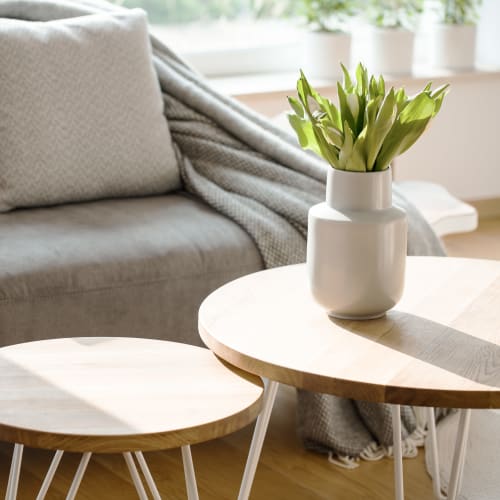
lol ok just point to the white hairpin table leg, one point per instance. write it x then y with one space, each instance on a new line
459 454
398 452
15 470
82 467
436 477
147 475
187 460
259 434
50 475
134 474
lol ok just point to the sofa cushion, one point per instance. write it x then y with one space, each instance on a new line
81 112
132 267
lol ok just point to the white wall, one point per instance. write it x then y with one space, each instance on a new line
461 148
488 43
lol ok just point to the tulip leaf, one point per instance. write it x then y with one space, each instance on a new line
305 133
296 106
347 79
357 162
346 150
345 110
379 128
409 126
369 127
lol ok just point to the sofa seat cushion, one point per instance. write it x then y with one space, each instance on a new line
132 267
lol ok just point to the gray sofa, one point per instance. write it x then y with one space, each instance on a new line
130 267
88 113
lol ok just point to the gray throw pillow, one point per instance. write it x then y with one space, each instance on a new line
81 112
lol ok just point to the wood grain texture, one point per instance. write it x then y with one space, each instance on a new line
117 394
440 346
286 470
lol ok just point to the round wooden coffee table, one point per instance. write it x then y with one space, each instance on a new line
118 395
440 346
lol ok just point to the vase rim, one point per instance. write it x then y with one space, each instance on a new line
379 172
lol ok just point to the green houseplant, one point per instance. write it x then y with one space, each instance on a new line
370 126
460 11
393 14
328 15
356 242
390 48
326 41
453 38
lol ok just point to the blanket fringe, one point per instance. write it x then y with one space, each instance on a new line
343 461
418 435
375 451
411 444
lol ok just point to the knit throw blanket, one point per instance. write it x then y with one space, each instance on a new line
255 174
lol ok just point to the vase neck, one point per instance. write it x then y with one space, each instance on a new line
359 190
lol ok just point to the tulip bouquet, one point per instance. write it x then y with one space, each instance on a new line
369 127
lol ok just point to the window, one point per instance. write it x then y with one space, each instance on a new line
222 37
186 11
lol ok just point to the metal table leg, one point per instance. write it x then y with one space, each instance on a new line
458 456
398 452
78 476
187 460
15 470
436 478
50 475
134 474
147 475
259 434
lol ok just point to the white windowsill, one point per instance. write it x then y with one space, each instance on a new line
284 82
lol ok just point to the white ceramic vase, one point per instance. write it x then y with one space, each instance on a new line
356 246
323 52
390 51
452 46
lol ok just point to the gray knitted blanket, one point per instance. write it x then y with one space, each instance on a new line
245 168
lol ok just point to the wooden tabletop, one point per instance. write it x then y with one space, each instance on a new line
440 346
120 394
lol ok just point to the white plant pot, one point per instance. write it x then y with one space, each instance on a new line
323 53
356 246
452 46
390 51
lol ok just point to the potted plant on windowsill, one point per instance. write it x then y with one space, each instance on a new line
327 43
391 37
356 245
453 38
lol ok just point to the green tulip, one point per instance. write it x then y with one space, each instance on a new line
369 127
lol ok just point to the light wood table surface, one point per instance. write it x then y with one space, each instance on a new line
108 395
440 346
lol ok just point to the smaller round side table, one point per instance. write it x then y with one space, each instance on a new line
118 395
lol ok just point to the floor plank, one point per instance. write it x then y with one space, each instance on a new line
484 243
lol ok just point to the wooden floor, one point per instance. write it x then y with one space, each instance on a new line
286 470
